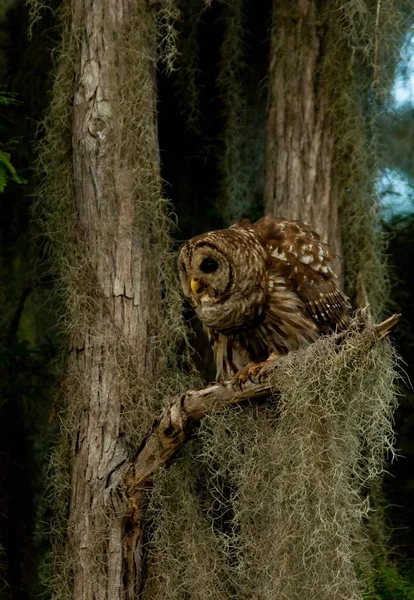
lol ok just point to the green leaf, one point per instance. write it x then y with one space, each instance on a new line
3 178
8 98
8 170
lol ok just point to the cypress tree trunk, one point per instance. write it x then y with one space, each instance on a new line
300 142
112 263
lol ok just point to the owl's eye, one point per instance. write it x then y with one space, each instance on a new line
209 265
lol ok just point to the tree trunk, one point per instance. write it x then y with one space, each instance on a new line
110 272
300 143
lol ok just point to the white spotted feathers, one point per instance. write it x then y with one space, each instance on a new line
296 253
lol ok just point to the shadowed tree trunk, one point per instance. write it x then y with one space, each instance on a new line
112 265
300 142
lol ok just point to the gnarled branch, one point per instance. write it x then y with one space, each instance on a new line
183 413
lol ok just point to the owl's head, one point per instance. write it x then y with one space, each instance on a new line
223 273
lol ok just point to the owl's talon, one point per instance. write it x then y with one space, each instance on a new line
240 378
249 373
253 373
237 385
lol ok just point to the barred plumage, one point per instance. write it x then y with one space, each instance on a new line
261 289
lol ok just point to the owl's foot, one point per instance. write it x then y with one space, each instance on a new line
251 373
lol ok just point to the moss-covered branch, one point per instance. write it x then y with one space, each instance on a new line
182 413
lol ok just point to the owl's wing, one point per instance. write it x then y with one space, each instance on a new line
296 253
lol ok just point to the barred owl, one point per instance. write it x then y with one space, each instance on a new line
261 289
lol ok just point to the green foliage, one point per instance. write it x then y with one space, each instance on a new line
7 98
7 170
387 582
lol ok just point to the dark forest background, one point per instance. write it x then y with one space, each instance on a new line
191 123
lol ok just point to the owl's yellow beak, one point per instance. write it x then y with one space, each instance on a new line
194 285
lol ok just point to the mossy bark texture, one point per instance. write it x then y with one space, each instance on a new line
115 261
300 141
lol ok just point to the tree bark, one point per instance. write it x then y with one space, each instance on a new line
112 265
300 142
